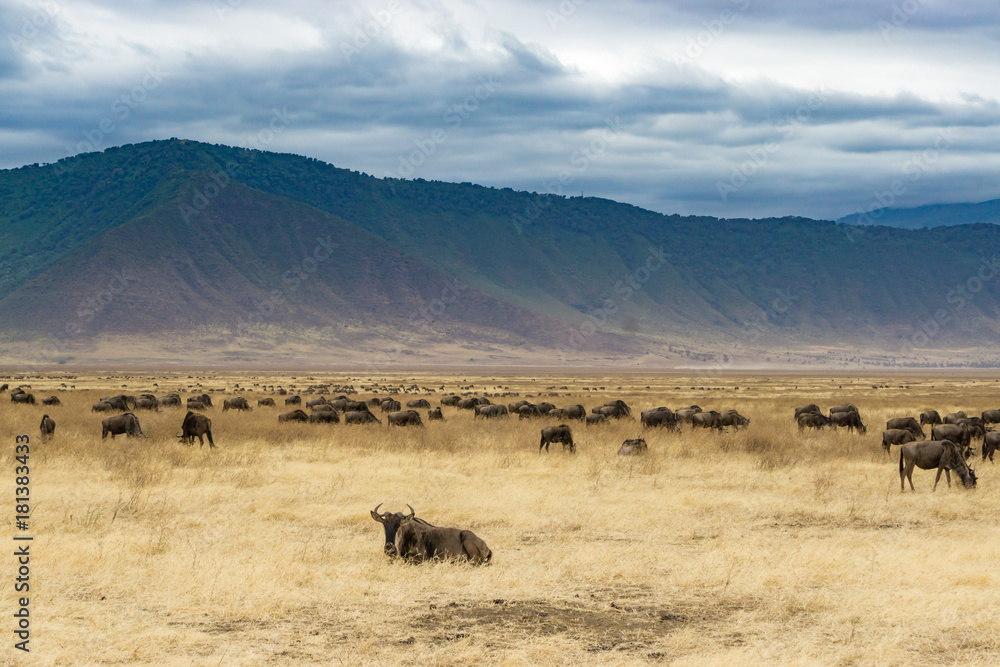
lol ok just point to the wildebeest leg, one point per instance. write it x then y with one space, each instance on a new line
211 444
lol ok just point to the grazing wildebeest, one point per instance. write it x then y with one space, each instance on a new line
546 407
929 454
990 444
614 410
196 425
559 433
451 400
574 412
355 406
293 400
710 419
896 436
685 414
51 400
842 408
120 402
47 427
265 402
977 427
404 418
734 419
908 423
238 403
390 405
23 397
196 405
516 405
435 414
418 403
101 406
594 420
812 407
390 522
4 387
633 447
956 433
954 417
469 403
529 411
991 416
170 400
815 420
490 411
127 423
324 417
293 416
316 401
145 403
360 417
930 417
416 540
851 419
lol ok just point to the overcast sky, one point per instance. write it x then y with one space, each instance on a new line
722 107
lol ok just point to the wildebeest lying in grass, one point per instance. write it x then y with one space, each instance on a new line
633 447
559 433
944 455
416 540
293 416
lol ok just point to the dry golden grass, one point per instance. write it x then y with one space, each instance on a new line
760 547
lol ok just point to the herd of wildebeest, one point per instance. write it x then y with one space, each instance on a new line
414 539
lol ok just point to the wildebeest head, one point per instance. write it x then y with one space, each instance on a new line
391 521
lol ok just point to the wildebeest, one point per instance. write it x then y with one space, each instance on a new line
450 400
633 447
815 420
734 419
47 427
196 425
954 417
956 433
4 387
51 400
929 454
144 403
293 400
390 405
896 436
404 418
850 419
469 403
812 407
665 417
265 402
435 414
490 411
360 417
991 416
685 414
416 540
293 416
101 406
127 423
196 405
355 406
614 410
930 417
316 401
120 402
418 403
529 411
842 408
908 423
574 412
710 419
238 403
170 400
559 433
23 397
991 444
594 420
977 427
324 417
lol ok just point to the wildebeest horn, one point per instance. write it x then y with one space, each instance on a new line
412 512
408 517
376 515
179 435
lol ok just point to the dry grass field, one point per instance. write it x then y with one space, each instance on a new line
765 546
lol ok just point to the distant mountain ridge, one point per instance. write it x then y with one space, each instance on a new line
931 215
274 248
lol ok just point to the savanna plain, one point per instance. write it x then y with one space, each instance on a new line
758 546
